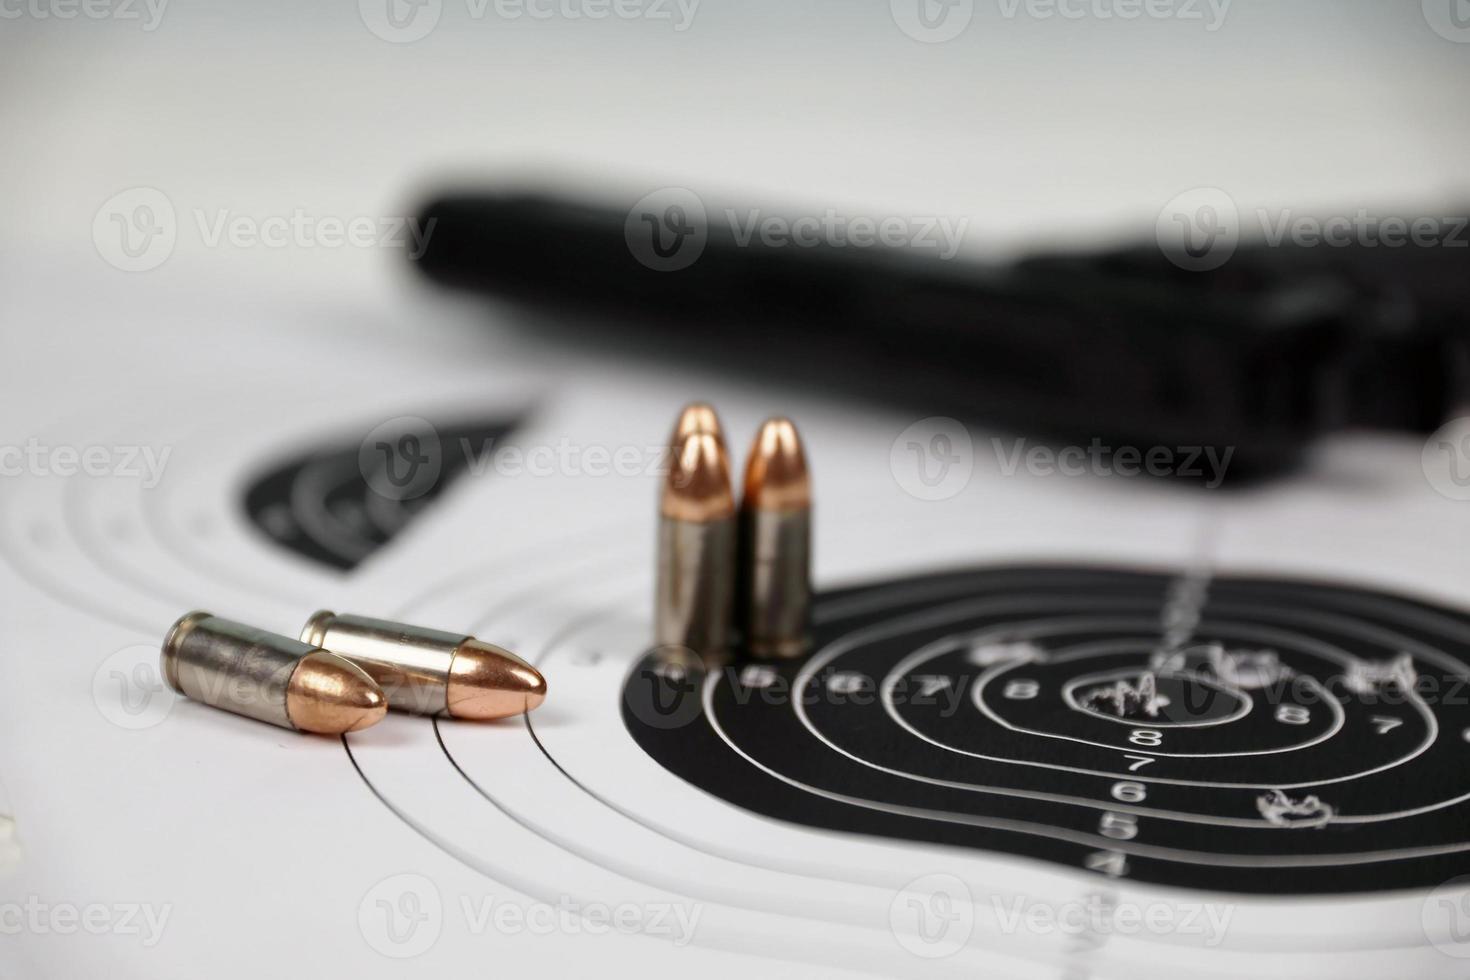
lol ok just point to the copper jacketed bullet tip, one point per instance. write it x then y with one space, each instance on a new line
331 696
487 682
698 486
776 476
697 417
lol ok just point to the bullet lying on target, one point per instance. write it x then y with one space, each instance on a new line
268 677
431 672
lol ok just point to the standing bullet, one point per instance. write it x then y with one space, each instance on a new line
431 672
775 592
695 593
268 677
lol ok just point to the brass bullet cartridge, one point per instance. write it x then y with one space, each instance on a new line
775 554
268 677
431 672
695 590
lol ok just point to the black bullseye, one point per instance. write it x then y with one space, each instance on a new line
1151 697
